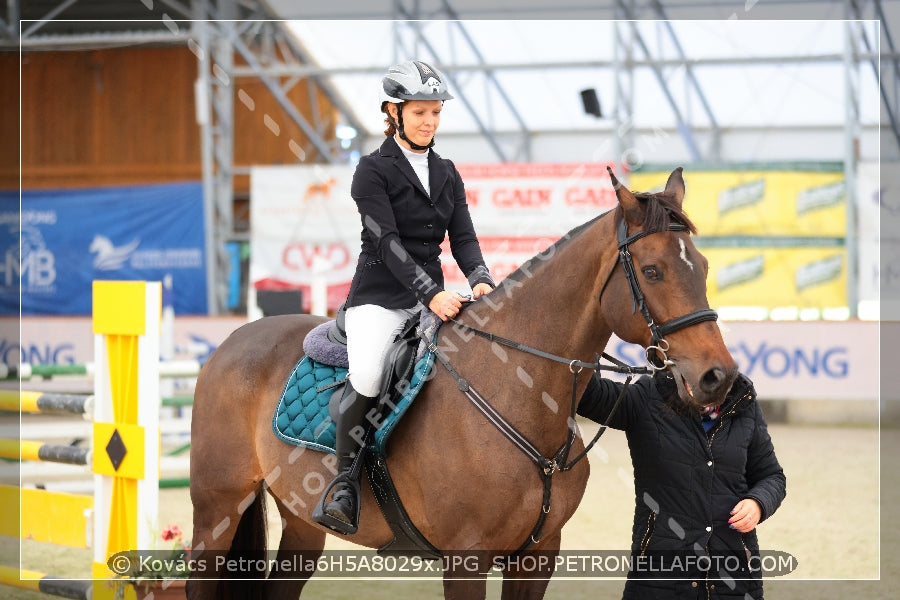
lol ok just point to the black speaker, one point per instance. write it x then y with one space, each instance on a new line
591 102
279 302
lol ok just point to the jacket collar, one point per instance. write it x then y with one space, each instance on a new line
742 392
438 171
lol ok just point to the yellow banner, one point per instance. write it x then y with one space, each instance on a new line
763 202
812 277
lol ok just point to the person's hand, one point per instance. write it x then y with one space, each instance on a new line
480 290
745 515
445 304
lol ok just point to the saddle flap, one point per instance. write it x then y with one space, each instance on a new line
397 371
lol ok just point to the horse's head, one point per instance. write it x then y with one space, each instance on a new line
99 243
656 297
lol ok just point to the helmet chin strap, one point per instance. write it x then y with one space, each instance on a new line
402 133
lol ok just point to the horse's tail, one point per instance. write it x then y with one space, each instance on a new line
248 552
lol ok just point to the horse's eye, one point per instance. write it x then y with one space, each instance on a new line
651 273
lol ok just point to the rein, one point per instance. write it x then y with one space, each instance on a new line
560 460
546 466
656 358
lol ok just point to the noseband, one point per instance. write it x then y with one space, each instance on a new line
656 351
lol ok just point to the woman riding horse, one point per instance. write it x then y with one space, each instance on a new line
511 424
409 198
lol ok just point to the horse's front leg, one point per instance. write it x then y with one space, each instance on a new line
465 588
526 577
465 576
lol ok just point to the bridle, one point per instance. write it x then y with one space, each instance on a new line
656 351
656 357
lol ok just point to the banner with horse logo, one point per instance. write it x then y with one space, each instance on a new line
71 237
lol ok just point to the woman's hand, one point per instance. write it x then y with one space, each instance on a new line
446 304
480 290
745 515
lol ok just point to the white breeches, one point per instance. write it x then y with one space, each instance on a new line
370 332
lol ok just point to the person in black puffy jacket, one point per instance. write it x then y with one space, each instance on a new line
703 478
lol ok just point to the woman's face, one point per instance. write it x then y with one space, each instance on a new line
420 120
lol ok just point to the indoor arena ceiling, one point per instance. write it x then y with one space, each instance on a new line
518 65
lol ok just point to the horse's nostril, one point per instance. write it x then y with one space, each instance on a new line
712 379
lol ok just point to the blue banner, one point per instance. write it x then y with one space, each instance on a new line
71 237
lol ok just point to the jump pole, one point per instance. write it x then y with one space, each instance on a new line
32 450
126 327
46 402
42 583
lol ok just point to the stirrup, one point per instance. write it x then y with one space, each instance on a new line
322 518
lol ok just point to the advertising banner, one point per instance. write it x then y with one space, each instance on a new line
305 223
877 276
519 210
760 202
71 237
797 360
533 199
773 237
811 277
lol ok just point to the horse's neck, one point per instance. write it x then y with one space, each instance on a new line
553 306
552 302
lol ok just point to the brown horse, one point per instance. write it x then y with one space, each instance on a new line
466 487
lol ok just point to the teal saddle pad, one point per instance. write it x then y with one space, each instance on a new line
301 417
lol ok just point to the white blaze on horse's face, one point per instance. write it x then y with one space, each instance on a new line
683 254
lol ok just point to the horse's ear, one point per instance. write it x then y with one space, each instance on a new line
675 185
626 198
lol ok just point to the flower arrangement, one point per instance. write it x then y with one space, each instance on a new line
170 563
150 569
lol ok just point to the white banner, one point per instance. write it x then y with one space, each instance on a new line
787 360
535 199
521 209
868 199
305 223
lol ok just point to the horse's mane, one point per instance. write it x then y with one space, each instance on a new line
662 208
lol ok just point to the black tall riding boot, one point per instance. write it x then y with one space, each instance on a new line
341 513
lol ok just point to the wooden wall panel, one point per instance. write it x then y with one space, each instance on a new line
126 116
266 134
62 133
9 119
144 108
